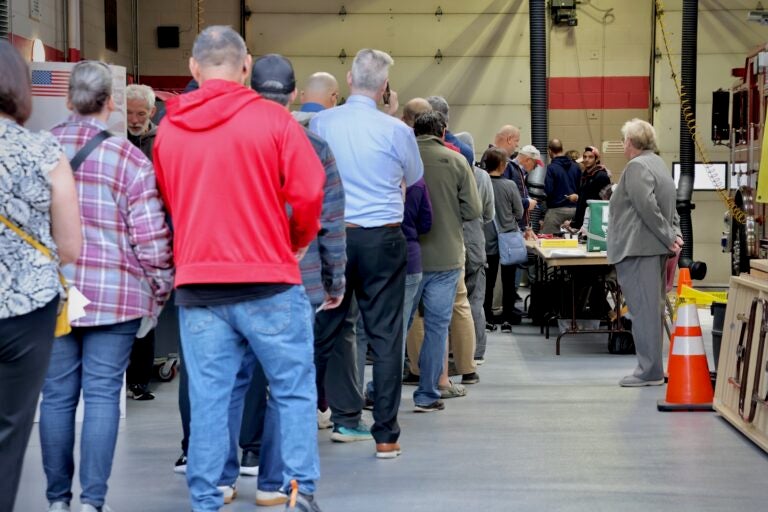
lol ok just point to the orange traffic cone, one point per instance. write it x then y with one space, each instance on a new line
683 278
689 388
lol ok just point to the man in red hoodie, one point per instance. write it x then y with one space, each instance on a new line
228 163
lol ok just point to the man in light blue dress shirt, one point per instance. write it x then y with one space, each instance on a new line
377 156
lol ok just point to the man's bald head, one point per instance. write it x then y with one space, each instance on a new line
507 138
413 108
555 147
322 88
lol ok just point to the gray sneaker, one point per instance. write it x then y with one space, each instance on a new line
630 381
298 502
59 506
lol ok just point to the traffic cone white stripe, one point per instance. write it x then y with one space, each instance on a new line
688 346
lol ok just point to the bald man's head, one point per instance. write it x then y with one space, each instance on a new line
413 108
555 147
507 138
321 88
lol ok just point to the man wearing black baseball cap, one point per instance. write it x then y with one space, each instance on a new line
322 272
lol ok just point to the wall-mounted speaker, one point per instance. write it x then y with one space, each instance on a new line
168 37
721 130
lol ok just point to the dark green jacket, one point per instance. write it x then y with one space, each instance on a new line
454 197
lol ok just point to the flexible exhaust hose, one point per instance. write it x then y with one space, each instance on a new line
538 27
687 147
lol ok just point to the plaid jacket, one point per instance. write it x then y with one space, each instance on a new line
125 268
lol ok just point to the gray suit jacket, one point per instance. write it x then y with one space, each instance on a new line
642 220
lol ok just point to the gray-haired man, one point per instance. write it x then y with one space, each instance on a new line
375 153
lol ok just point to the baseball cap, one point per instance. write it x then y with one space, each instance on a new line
530 151
273 73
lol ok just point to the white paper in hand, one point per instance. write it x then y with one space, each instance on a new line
147 324
76 303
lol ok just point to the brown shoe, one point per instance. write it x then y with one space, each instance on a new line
387 450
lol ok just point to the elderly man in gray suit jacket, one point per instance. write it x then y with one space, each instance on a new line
643 229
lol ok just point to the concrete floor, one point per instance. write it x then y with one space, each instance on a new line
539 433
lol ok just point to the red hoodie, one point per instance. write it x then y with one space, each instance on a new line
227 162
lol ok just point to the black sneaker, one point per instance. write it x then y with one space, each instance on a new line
491 327
470 378
506 327
249 463
437 405
411 379
298 502
368 406
140 392
180 466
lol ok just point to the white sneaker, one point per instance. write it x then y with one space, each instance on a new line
270 498
87 507
324 419
229 492
59 506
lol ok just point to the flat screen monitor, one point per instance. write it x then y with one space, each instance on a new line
701 177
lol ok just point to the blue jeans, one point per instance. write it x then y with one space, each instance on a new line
93 359
437 292
279 331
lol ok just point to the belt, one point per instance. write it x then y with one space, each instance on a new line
356 226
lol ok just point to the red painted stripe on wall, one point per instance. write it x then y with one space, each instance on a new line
599 92
24 46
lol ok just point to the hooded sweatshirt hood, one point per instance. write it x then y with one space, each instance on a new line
303 118
213 103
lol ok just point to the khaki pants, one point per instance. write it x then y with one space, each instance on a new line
461 338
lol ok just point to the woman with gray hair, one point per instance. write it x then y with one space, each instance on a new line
642 231
124 270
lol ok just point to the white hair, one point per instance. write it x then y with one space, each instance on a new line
370 69
141 92
640 134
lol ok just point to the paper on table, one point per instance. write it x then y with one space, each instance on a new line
76 303
567 253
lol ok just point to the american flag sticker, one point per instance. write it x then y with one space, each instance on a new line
50 83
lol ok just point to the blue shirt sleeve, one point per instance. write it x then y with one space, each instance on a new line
405 147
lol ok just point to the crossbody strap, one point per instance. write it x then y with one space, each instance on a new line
34 243
26 237
86 150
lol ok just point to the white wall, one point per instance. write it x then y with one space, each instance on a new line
49 28
182 13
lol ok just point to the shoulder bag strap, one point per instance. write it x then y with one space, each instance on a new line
34 243
26 237
86 150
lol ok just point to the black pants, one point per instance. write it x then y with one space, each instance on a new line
508 290
376 276
254 411
142 360
25 349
